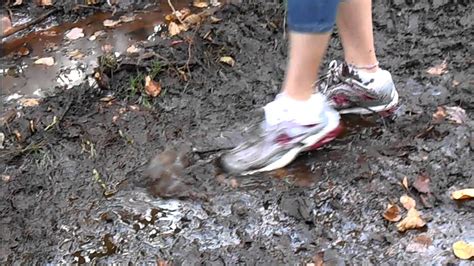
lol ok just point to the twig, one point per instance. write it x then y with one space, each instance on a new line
27 24
174 12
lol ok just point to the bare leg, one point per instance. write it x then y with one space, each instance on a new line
354 22
305 55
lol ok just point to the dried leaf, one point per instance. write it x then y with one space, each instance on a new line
28 102
76 54
75 34
152 87
126 19
17 2
192 19
5 25
405 182
407 202
419 244
185 12
49 33
107 48
318 259
463 250
173 29
462 194
45 2
422 183
227 60
133 49
23 51
392 213
440 114
200 3
111 23
214 19
96 35
438 70
48 61
412 221
456 114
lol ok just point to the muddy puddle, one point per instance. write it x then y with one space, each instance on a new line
75 187
74 59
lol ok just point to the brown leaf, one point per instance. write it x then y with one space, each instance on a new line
23 51
439 69
227 60
456 114
318 259
419 244
422 183
407 202
111 23
29 102
45 2
463 250
5 24
173 29
214 19
152 87
412 221
440 114
462 194
192 19
200 3
48 61
185 12
405 182
392 213
75 34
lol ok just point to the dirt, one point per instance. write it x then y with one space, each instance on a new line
79 189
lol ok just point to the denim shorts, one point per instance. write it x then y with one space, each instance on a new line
312 16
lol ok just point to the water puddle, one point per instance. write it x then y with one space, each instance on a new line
74 59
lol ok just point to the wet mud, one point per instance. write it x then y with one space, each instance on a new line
77 185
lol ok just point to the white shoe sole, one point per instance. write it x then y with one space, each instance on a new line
333 125
373 109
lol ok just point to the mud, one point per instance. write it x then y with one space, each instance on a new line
78 189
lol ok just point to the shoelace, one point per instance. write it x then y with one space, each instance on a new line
332 77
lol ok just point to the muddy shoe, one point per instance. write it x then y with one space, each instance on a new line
277 140
355 92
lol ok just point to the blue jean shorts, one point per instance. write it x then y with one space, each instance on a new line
312 16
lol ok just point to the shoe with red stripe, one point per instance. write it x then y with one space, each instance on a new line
273 146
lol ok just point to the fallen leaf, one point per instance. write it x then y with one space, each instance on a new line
455 83
462 194
214 19
49 33
48 61
318 259
200 3
29 102
75 34
438 70
152 87
192 19
407 202
227 60
173 29
17 2
456 114
133 49
422 183
405 182
392 213
45 2
419 244
111 23
412 221
126 19
96 35
76 54
185 12
463 250
23 51
6 24
107 48
440 114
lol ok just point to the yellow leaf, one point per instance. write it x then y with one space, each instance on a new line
48 61
463 250
467 193
200 3
227 60
407 202
392 213
412 221
173 29
152 87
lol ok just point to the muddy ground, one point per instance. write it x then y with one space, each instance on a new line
75 191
